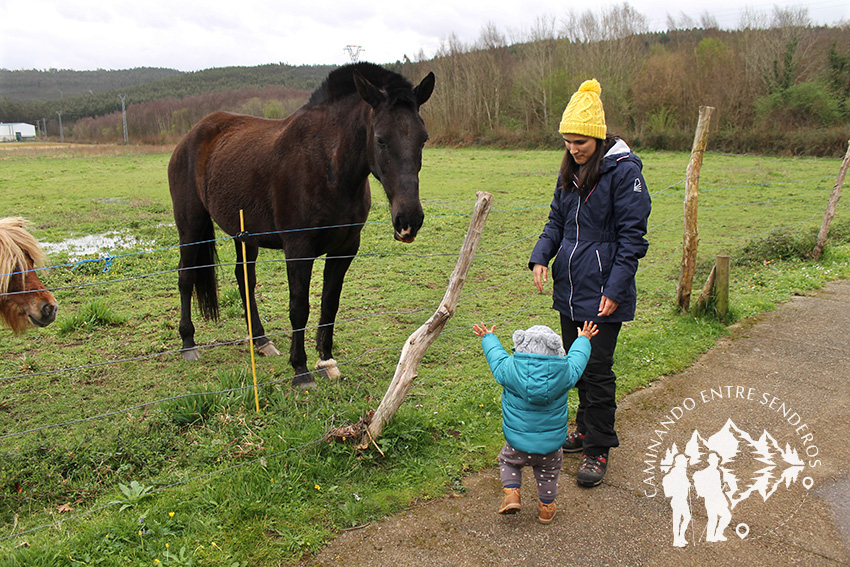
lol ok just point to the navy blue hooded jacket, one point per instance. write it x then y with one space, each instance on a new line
597 240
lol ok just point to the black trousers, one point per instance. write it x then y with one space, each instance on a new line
597 387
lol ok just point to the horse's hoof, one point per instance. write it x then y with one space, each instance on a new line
304 380
268 349
328 369
193 353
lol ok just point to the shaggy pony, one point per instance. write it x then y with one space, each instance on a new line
24 301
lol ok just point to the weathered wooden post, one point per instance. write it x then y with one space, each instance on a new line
705 295
834 196
418 342
691 236
721 289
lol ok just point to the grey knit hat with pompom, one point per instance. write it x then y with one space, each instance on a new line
538 339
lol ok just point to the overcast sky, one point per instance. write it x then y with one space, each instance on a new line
199 34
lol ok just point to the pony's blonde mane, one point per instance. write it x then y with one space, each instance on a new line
16 247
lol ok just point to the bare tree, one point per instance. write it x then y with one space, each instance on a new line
708 21
493 73
683 22
609 47
766 38
453 106
538 64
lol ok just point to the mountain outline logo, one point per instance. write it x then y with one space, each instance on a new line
724 470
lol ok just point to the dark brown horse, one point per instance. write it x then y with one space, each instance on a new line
302 183
24 302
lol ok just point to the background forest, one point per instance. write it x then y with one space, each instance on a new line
780 86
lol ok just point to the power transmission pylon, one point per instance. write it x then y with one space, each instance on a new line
354 52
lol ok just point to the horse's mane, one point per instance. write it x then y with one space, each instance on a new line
16 245
340 83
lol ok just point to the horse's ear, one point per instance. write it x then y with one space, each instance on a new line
368 92
424 89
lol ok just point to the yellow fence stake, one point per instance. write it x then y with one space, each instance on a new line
248 312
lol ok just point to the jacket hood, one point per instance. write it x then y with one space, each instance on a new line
619 147
618 152
539 373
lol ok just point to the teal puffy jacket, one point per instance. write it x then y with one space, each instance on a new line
535 390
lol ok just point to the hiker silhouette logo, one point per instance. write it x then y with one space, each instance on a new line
732 473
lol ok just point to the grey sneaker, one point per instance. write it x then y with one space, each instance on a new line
592 470
574 442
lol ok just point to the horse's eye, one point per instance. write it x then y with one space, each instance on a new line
381 141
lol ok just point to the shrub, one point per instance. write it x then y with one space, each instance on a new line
778 245
789 245
803 104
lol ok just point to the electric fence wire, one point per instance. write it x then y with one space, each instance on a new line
195 394
528 306
230 390
269 335
533 303
288 332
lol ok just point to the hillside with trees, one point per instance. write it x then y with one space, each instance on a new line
780 86
34 85
34 100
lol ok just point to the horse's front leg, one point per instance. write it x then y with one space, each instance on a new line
298 273
261 341
335 269
186 284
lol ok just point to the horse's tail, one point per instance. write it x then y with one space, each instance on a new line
206 284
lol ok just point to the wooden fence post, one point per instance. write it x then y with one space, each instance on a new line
705 295
418 342
834 196
691 236
721 283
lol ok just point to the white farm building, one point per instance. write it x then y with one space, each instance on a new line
16 131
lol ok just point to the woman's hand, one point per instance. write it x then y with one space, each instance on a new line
607 306
540 272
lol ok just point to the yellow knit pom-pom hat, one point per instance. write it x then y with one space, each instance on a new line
584 114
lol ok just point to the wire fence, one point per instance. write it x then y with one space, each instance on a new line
525 299
507 248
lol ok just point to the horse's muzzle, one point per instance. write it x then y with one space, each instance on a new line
47 314
407 236
407 221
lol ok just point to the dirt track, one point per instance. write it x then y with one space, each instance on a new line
795 358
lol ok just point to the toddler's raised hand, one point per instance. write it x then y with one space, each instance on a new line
481 330
589 330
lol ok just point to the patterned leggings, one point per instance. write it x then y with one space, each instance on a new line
546 469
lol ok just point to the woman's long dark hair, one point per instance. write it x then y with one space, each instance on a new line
585 177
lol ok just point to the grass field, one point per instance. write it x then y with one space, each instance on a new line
114 451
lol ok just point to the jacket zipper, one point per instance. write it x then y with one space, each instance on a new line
599 260
570 264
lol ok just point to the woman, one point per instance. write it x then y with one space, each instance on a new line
595 232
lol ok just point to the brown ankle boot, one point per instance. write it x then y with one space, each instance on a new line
511 501
546 512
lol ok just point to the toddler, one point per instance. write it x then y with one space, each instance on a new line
535 381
